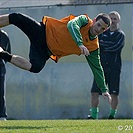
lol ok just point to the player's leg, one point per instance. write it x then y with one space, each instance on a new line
25 23
95 91
114 101
35 31
113 83
3 113
20 62
114 104
15 60
4 20
20 21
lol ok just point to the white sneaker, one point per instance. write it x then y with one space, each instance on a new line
1 49
2 119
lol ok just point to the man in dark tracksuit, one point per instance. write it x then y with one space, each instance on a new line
5 44
111 44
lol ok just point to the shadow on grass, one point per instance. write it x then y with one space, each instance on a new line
24 127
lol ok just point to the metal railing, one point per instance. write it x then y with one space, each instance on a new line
100 1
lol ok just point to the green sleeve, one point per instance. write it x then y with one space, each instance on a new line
94 62
74 26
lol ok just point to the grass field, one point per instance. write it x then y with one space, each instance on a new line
66 126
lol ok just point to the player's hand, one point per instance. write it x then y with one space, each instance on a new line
84 50
106 94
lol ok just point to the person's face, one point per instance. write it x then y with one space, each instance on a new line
115 20
98 27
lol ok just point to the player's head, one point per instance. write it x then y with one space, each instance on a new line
115 18
100 24
105 18
116 14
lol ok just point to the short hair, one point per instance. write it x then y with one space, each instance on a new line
104 17
115 13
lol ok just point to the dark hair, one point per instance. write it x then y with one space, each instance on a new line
104 17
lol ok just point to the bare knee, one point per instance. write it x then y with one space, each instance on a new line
95 99
115 97
36 68
4 20
95 95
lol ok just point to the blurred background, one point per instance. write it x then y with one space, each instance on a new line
62 90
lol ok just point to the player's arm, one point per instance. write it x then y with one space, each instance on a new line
94 62
74 26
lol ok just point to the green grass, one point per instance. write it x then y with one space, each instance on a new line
66 126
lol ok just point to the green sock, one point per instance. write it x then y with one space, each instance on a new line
113 112
94 113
